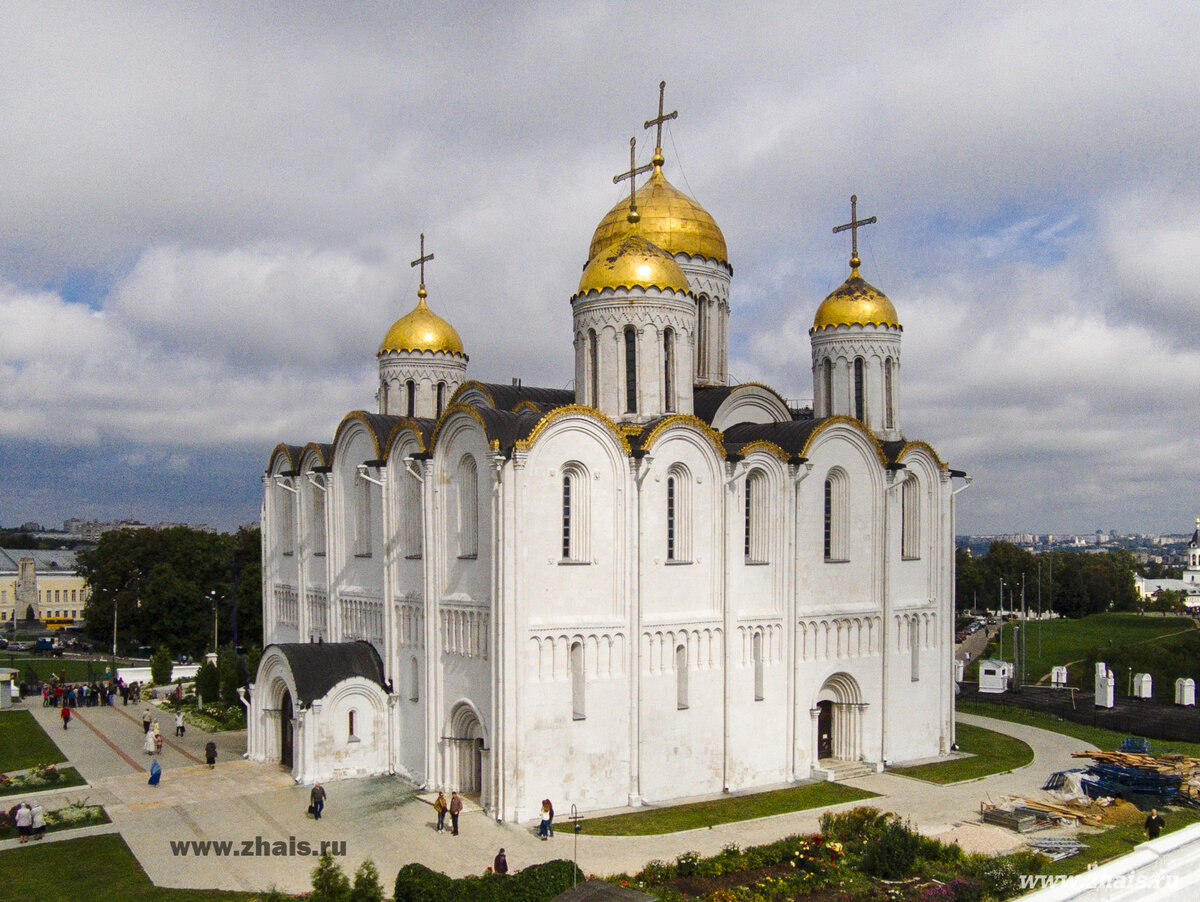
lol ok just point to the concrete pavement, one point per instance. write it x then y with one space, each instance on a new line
242 802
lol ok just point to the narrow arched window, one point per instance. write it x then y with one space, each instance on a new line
758 667
350 717
414 680
630 370
578 687
859 400
593 369
910 519
681 677
755 524
410 389
889 409
566 516
827 386
468 509
836 512
669 369
702 337
914 640
287 520
670 518
441 397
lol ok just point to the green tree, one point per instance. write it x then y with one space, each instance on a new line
161 666
208 683
329 882
232 674
366 884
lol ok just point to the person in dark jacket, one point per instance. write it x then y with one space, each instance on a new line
1154 824
500 865
317 797
210 753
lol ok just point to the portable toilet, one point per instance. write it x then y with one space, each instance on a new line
8 686
1105 686
1185 692
1143 685
960 669
994 675
1058 677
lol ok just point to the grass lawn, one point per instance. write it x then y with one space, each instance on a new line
722 811
995 753
23 743
1117 841
76 671
68 776
1090 737
101 817
1063 641
96 868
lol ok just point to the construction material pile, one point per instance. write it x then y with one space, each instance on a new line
1169 777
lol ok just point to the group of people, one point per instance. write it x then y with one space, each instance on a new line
454 807
57 694
153 744
31 821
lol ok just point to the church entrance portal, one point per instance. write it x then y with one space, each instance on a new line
825 729
467 753
285 730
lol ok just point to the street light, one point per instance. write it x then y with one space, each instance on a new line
116 597
212 594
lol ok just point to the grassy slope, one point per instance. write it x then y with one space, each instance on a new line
722 811
1064 641
96 868
76 671
23 743
994 753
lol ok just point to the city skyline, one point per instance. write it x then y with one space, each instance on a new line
209 214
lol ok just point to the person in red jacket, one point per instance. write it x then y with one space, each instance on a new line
65 714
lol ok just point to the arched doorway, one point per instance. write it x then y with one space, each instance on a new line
838 719
29 613
286 737
467 752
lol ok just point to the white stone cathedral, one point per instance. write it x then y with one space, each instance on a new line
658 585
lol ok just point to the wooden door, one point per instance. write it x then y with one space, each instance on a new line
825 730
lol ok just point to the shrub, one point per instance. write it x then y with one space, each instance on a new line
417 883
208 682
161 666
366 884
330 884
656 873
857 828
894 852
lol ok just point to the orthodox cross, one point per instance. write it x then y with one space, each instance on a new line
422 260
634 171
853 226
662 87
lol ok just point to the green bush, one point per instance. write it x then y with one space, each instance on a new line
208 683
656 873
366 884
417 883
330 884
160 666
686 864
539 883
894 853
857 828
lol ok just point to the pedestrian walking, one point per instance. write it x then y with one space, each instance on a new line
148 746
38 815
1154 824
24 820
146 718
550 822
455 811
500 865
317 800
439 806
210 753
544 826
155 773
179 727
65 714
158 742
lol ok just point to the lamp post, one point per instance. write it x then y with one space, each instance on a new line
136 575
212 594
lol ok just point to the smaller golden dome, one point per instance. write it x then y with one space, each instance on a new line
855 303
633 261
421 330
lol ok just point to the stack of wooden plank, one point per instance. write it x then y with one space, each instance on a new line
1171 766
1062 811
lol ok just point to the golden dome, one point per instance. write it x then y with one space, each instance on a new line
669 218
632 261
421 330
855 303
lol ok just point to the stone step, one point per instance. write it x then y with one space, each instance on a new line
838 771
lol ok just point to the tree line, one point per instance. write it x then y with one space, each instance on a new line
1073 584
164 584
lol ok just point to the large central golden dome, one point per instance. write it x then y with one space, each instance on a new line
632 261
421 330
669 219
855 303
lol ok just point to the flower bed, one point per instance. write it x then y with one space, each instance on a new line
74 814
39 777
214 718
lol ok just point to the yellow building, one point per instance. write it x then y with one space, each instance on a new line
40 585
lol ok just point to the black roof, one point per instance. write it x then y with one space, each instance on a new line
507 397
790 436
319 666
707 400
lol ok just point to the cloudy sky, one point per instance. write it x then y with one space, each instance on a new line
207 212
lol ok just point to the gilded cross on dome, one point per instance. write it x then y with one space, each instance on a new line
634 171
421 261
853 226
674 114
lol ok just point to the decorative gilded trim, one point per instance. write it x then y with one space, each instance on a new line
686 419
913 446
884 324
457 407
573 410
763 445
361 416
286 450
479 386
316 449
527 405
411 426
663 289
849 421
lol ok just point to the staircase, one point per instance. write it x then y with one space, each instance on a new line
837 771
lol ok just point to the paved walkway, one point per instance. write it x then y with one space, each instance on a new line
383 819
